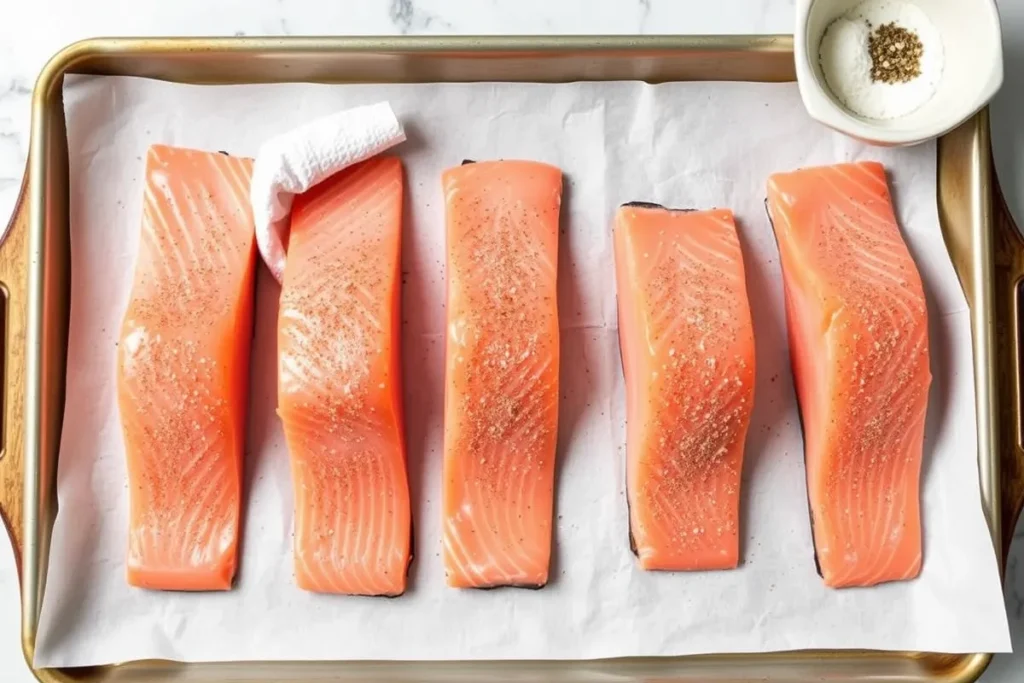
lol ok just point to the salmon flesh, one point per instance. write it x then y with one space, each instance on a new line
687 343
340 383
858 330
501 372
183 370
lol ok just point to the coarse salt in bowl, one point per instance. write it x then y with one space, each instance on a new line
961 67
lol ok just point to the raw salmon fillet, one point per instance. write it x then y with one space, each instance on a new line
687 344
858 331
183 370
340 383
501 372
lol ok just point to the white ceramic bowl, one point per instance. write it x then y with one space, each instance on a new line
972 73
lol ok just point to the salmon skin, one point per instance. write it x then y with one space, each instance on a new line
501 372
858 330
687 343
653 205
183 370
340 383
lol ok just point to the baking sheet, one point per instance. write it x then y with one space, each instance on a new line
683 145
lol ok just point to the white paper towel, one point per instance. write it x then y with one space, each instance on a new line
685 145
294 161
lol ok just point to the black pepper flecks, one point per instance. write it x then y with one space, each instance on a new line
895 54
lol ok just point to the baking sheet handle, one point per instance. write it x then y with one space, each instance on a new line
1009 261
13 284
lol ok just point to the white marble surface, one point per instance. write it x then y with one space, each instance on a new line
30 32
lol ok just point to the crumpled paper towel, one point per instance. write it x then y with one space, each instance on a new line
290 163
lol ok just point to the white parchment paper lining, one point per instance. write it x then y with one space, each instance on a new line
694 145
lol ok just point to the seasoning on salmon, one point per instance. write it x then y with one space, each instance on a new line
687 343
340 383
501 372
183 370
858 331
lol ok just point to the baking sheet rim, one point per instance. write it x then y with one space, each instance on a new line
43 212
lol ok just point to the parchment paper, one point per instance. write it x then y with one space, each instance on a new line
683 145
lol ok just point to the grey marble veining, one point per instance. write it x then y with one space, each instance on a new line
44 26
407 17
1010 668
15 95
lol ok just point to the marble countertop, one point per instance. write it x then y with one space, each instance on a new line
35 30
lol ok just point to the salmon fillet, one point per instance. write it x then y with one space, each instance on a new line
687 344
340 383
858 331
183 370
501 372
